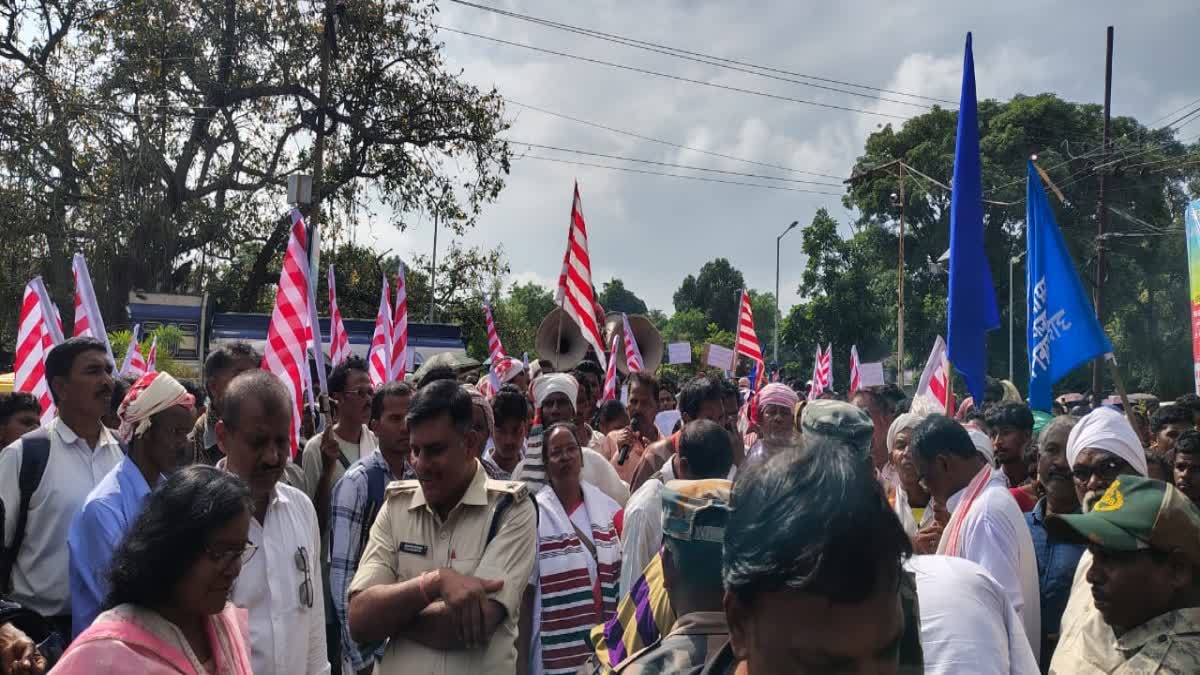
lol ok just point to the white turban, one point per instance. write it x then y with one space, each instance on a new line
554 383
507 369
908 420
150 395
1108 430
983 444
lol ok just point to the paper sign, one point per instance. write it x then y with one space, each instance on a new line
718 357
870 374
679 352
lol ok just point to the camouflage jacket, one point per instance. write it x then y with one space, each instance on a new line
693 640
1168 643
204 443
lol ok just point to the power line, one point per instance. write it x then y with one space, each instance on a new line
679 78
678 175
668 143
1185 105
682 53
671 165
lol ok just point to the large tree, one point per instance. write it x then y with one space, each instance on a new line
1147 180
616 298
157 136
715 292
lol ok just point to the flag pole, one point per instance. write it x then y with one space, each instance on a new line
1116 374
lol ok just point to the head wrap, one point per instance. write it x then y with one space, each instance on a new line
965 408
1108 430
554 383
983 444
908 420
480 401
150 395
507 369
772 394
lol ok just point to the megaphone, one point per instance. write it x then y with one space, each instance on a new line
560 341
649 340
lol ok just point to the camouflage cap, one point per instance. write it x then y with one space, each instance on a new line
696 510
1135 513
837 419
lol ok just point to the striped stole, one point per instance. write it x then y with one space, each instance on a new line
643 615
568 605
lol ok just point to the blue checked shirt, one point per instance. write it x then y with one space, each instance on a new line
349 510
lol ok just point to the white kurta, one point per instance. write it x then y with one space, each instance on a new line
968 624
994 535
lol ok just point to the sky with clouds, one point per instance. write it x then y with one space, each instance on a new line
650 230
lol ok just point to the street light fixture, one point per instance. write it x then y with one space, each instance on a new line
778 320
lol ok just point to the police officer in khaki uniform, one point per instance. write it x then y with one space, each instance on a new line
449 555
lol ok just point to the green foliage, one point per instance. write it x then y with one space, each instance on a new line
170 337
157 137
616 298
715 291
851 290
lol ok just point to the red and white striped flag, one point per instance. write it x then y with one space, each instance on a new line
935 384
815 388
610 374
339 340
379 359
35 339
399 331
746 341
827 368
88 322
495 349
855 376
127 360
633 354
137 362
290 330
575 294
151 363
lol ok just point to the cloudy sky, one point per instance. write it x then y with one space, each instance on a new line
652 230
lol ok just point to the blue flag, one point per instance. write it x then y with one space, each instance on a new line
1063 331
972 307
753 378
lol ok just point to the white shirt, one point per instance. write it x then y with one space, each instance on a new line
995 535
642 531
286 637
596 470
41 572
968 624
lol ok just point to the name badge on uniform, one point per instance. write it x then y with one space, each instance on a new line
415 549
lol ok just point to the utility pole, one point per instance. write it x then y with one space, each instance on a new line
778 319
899 163
327 38
1102 215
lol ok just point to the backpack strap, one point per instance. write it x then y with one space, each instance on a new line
376 487
35 453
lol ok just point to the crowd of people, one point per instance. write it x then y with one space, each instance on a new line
440 526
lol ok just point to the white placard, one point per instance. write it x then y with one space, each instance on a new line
679 352
719 357
870 374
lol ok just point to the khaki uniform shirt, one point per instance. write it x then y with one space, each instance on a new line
409 538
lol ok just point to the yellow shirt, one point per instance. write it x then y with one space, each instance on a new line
409 538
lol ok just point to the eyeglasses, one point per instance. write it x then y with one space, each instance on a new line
1105 470
227 556
362 392
306 589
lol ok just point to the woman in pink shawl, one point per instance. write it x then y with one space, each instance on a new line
167 607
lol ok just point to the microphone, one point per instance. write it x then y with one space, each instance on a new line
623 454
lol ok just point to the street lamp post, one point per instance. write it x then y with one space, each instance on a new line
775 356
1011 323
